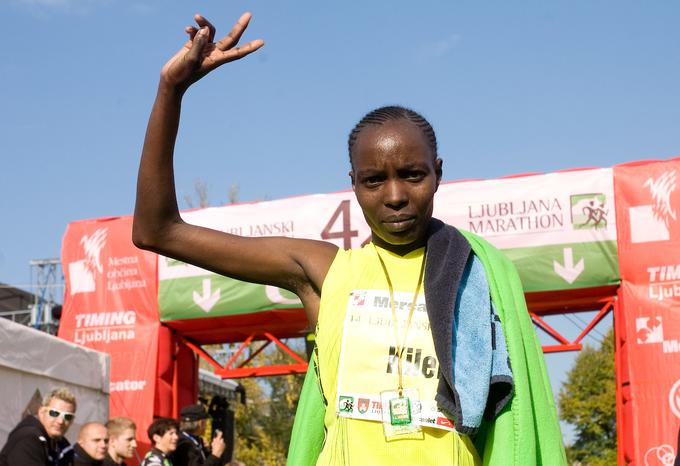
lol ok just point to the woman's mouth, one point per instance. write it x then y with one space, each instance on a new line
398 224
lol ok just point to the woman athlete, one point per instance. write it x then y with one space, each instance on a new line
395 172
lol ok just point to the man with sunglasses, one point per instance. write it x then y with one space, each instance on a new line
39 440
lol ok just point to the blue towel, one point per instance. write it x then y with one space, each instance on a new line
481 368
467 333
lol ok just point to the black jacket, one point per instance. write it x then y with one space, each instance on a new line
191 452
81 458
108 461
677 452
29 445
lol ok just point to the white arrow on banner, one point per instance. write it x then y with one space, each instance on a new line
568 271
208 299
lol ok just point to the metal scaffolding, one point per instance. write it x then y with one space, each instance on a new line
47 281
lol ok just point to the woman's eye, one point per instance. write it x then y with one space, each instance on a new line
373 180
414 175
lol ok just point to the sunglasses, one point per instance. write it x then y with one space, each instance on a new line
67 417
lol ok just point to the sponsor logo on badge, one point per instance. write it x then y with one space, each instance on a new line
445 422
82 273
346 404
358 298
362 405
376 407
589 211
662 455
650 222
674 398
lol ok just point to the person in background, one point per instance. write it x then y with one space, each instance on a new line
163 433
39 441
190 448
122 441
93 440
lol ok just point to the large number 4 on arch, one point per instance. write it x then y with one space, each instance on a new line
346 232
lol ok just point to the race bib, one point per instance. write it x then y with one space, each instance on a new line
368 358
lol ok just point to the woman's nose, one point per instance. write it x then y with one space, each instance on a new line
396 195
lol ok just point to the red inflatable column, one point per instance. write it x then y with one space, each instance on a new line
648 228
111 305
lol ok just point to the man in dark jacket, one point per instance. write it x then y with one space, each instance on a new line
39 441
93 440
190 448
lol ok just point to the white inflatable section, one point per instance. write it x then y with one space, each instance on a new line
32 361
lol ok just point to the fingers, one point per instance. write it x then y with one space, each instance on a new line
236 32
191 31
203 55
237 53
202 22
200 38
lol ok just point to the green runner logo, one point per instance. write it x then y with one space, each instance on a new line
589 211
346 404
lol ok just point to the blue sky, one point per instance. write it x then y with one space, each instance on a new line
510 87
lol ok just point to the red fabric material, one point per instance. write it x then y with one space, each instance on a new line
165 372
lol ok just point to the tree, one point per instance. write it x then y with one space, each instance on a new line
201 191
588 401
265 422
202 198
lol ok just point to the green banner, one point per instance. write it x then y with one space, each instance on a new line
543 268
566 266
214 296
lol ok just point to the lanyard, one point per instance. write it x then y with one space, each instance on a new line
198 445
400 346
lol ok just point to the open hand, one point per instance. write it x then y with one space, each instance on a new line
200 54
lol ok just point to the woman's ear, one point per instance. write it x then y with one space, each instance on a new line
438 163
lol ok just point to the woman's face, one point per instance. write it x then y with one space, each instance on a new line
394 176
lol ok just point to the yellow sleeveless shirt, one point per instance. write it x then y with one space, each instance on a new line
355 343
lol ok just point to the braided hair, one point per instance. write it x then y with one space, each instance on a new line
381 115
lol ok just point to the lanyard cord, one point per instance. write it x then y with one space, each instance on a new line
400 346
198 445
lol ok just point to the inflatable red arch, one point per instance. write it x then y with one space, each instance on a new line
582 239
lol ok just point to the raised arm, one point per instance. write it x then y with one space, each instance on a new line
294 264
